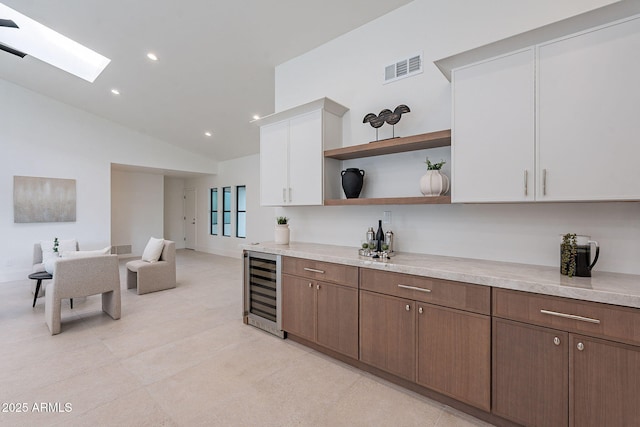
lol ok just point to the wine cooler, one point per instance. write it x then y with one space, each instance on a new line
262 292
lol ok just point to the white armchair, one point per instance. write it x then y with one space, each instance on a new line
77 277
154 276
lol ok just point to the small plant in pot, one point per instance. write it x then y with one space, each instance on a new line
568 251
434 182
282 230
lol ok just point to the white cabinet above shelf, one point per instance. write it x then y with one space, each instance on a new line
584 21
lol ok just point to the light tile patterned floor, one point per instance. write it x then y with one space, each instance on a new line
183 357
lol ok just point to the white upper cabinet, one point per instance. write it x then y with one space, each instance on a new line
588 115
554 122
493 130
292 145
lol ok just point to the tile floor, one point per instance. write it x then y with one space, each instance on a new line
183 357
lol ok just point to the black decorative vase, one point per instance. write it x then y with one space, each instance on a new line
352 180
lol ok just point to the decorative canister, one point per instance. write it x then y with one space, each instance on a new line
434 183
352 180
282 234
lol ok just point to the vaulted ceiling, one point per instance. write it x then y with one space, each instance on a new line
215 67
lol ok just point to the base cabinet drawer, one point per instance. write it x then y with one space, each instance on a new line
345 275
582 317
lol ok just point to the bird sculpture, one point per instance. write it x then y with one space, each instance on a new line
388 116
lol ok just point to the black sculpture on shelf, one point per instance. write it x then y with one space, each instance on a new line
391 117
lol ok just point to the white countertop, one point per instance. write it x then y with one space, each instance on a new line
610 288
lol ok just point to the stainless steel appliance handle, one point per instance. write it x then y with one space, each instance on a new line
544 182
570 316
313 270
413 288
526 182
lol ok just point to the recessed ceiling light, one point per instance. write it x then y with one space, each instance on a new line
33 38
152 56
115 91
256 117
207 133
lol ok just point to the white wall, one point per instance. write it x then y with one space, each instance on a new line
350 69
137 209
45 138
260 220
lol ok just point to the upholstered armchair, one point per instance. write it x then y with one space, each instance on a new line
79 277
38 266
154 276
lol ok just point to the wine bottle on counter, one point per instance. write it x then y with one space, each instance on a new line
379 236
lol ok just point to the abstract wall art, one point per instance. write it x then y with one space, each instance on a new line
38 199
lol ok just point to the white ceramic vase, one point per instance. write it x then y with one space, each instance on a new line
434 183
282 234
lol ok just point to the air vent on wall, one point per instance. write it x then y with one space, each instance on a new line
403 68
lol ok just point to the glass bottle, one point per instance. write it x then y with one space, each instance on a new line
379 236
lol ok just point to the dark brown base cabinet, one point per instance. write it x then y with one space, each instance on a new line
319 311
543 376
454 354
530 374
440 348
387 333
502 355
605 385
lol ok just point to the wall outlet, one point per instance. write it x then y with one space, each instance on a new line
386 217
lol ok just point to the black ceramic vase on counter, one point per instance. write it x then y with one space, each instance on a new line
352 180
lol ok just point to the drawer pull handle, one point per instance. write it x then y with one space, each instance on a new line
313 270
413 288
570 316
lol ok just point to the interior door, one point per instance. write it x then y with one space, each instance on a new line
190 218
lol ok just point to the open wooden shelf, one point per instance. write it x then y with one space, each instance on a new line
391 146
390 201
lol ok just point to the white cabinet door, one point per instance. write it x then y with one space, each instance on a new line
305 159
274 163
588 105
493 147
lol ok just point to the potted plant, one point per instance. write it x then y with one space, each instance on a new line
434 182
282 230
568 251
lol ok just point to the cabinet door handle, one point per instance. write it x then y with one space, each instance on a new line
310 285
289 194
580 346
313 270
318 287
284 195
407 307
420 310
570 316
556 341
526 182
544 182
413 288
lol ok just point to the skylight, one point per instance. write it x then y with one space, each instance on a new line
49 46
